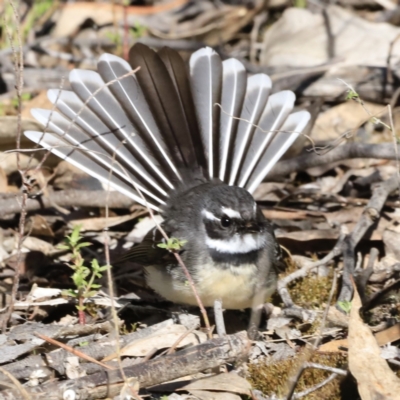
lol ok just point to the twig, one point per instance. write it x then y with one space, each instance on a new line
172 349
257 23
316 344
347 151
330 36
72 350
16 382
304 393
105 384
18 68
370 215
325 368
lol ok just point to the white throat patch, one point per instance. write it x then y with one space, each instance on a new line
238 244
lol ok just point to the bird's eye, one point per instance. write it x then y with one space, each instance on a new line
226 222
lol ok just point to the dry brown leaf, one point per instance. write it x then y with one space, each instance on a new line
315 234
37 225
34 244
374 377
334 346
343 118
162 339
74 14
205 395
228 382
388 335
3 181
98 224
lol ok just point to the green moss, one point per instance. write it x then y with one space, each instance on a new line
272 378
311 291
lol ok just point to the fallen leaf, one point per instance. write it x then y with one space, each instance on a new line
162 339
228 382
38 226
98 224
374 377
206 395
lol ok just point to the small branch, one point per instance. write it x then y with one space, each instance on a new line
370 215
304 393
190 361
72 350
347 151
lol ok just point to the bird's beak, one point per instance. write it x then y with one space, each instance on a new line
251 227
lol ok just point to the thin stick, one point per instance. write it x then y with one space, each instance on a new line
72 350
16 382
18 68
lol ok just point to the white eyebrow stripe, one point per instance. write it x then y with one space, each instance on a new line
231 213
209 215
237 244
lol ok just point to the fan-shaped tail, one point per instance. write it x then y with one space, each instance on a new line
146 130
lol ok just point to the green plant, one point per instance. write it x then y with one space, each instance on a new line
138 30
115 37
24 97
83 277
300 3
173 244
8 24
345 306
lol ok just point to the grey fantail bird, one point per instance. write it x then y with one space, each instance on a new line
196 143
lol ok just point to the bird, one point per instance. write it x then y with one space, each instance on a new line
191 142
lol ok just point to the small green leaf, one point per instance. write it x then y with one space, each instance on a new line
345 306
173 244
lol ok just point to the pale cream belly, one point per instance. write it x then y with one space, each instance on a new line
234 286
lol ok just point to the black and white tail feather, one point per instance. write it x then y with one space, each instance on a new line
148 128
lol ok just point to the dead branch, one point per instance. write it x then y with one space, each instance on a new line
383 151
108 383
67 198
371 214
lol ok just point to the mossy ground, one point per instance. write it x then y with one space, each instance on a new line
272 378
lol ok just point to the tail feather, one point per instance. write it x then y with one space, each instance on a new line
258 88
106 107
178 72
232 96
206 81
161 95
278 107
79 141
145 129
289 132
130 96
94 135
62 149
